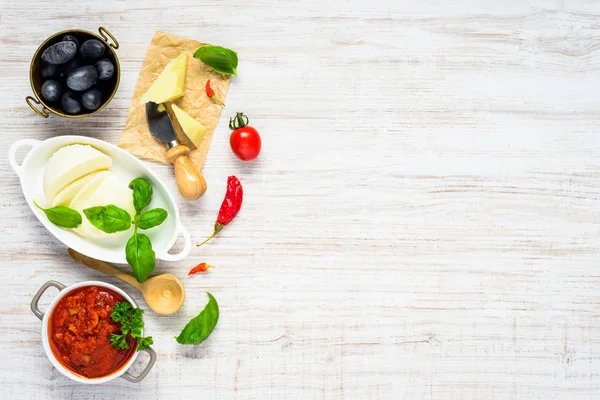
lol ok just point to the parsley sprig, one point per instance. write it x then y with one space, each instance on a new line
131 324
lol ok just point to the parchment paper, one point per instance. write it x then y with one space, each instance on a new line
136 137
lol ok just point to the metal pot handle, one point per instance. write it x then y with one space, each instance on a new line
34 302
135 379
104 33
31 101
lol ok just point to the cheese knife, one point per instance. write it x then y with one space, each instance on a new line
190 182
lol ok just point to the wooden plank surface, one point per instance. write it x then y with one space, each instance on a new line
422 222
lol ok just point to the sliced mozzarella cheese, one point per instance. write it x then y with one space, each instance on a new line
70 163
85 193
110 190
64 197
191 127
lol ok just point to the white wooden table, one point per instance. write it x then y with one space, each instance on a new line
422 222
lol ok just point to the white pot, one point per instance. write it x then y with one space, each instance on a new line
31 173
64 290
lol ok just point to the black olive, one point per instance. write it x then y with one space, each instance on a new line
92 99
51 90
92 48
69 67
82 78
70 104
71 38
60 53
48 70
105 69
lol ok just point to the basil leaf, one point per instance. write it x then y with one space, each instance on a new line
109 219
62 216
140 256
151 218
199 328
222 60
142 193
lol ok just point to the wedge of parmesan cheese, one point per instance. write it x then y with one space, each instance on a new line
191 127
170 84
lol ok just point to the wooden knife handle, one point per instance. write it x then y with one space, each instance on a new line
190 182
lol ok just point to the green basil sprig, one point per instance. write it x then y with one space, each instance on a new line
150 219
222 60
142 194
138 251
199 328
62 216
140 256
109 219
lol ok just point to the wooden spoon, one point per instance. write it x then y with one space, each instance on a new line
164 293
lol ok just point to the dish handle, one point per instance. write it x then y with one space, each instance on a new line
34 302
12 153
181 231
135 379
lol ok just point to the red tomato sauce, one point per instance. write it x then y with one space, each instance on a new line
79 332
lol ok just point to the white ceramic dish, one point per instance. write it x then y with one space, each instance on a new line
128 167
64 290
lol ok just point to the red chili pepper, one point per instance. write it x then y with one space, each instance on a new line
203 267
230 207
211 93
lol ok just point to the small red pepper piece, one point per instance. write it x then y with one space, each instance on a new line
211 93
202 267
230 207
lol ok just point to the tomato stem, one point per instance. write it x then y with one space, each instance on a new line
239 121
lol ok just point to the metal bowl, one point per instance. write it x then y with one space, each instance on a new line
36 79
122 372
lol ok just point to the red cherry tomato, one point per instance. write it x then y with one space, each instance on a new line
245 143
244 140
